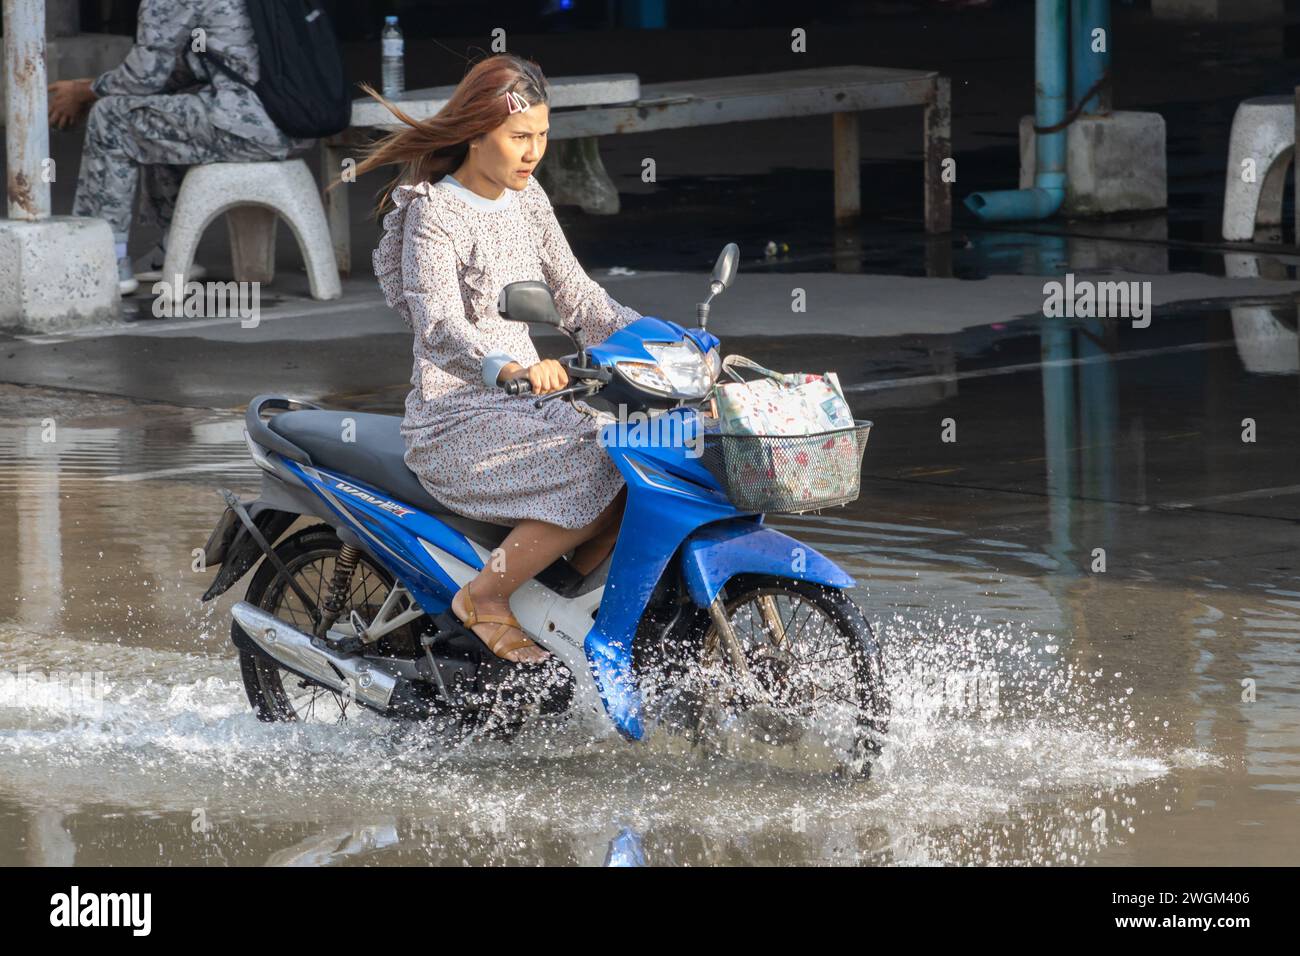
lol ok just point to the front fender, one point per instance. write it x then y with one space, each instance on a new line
718 552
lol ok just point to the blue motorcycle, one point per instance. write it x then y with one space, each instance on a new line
703 621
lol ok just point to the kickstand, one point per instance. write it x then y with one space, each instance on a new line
425 641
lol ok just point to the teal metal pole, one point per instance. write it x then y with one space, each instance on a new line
1059 435
1089 51
1051 82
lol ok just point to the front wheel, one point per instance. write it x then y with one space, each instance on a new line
800 668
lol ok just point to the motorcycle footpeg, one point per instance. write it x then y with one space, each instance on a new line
454 639
448 664
414 700
547 684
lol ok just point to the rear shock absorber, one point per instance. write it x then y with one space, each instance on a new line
340 587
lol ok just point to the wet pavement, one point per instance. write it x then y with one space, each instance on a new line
1045 710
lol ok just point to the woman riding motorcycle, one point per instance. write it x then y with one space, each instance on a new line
466 218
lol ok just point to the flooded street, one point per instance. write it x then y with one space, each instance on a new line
1089 600
1077 539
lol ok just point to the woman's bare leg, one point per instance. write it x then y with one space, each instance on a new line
529 548
588 555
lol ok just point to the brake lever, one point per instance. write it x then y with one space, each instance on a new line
571 390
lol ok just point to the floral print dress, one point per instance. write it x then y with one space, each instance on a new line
444 257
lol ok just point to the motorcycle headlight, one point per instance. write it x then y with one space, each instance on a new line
646 375
714 361
680 370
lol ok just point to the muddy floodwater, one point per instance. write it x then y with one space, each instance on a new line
1089 599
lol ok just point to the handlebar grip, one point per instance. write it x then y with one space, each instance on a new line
518 386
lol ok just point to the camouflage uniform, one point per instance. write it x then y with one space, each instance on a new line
166 107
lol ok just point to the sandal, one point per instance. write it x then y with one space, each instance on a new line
498 645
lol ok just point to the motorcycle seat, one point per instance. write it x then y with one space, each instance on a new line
376 458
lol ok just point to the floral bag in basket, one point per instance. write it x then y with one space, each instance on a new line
780 403
805 449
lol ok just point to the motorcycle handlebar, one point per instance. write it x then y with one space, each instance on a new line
578 374
518 386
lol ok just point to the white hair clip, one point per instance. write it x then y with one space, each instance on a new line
515 103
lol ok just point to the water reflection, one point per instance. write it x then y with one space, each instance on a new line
95 555
1265 334
625 849
338 845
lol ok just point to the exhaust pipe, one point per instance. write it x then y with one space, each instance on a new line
344 673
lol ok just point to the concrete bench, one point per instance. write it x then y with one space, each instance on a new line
1263 133
842 92
254 196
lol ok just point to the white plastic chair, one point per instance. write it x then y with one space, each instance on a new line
1263 130
253 196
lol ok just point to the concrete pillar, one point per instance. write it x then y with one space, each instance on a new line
846 164
27 138
54 273
573 174
1114 163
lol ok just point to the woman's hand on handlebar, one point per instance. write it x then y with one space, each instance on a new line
546 376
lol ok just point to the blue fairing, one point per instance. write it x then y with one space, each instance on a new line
718 552
670 495
673 501
393 531
629 341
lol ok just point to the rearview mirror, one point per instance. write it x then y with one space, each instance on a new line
529 301
725 270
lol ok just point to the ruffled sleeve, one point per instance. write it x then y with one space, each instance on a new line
417 263
387 257
579 299
441 214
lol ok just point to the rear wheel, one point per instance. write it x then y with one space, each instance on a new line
801 671
309 555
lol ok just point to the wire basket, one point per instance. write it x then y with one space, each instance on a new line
788 473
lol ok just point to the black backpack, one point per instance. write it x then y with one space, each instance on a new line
301 80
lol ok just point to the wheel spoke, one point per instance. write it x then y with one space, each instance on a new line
802 659
297 697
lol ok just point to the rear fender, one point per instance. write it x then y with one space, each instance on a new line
235 550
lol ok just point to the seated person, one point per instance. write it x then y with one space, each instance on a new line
164 108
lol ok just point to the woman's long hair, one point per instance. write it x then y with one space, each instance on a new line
430 149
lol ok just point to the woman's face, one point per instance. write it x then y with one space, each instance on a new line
508 155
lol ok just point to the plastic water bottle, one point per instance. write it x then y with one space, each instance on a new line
394 74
